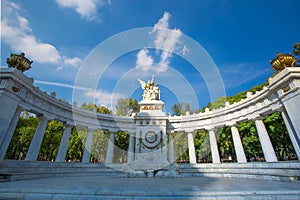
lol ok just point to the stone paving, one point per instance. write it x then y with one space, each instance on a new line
99 187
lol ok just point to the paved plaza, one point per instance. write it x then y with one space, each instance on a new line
99 187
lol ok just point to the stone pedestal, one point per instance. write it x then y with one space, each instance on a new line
150 146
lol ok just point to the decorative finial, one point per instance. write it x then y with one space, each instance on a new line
282 61
19 62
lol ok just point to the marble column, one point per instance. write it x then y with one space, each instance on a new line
88 146
8 116
214 147
292 108
37 140
238 146
9 133
63 147
191 145
171 148
265 141
292 133
110 148
130 158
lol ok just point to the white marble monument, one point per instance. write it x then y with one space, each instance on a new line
151 124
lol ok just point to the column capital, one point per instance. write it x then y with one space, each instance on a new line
66 124
43 117
91 129
214 129
258 117
231 124
190 132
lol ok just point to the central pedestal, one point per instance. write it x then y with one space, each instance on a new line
150 143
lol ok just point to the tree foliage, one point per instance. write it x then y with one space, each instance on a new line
127 106
51 141
22 137
202 147
182 108
94 107
296 52
180 142
121 143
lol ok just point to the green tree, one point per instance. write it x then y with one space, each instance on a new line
99 145
76 144
280 138
296 52
51 141
202 147
127 106
121 142
225 145
250 141
94 107
22 137
181 108
180 142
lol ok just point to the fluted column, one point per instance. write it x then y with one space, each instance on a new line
9 133
171 148
265 141
292 133
131 148
238 146
191 144
110 148
88 146
63 147
214 147
37 140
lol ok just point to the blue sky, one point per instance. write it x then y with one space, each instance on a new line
66 40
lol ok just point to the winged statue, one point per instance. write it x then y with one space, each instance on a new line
151 91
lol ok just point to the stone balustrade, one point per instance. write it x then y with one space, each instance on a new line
18 94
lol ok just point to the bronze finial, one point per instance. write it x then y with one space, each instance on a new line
19 62
282 61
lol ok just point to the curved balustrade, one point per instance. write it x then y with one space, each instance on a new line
17 94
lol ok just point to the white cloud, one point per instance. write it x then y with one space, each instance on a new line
75 62
20 39
16 32
87 9
143 60
62 85
166 42
166 39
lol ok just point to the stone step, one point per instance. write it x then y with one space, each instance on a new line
4 177
268 171
96 187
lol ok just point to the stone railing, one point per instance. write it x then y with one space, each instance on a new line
18 94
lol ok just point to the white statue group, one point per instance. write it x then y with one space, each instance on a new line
151 90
